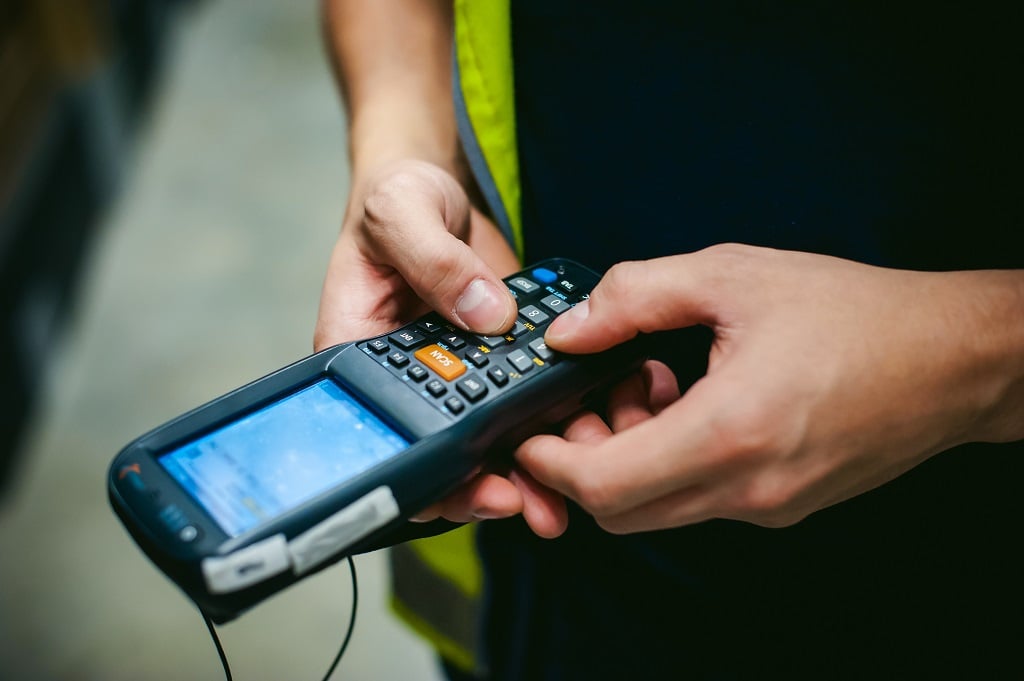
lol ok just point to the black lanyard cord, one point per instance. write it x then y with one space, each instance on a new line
337 657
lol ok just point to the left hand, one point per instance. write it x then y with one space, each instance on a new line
826 378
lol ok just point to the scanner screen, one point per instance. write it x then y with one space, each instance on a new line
275 459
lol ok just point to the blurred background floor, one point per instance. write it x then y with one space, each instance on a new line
204 273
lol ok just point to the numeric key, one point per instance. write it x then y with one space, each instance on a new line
534 315
555 304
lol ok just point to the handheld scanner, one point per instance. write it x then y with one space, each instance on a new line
243 496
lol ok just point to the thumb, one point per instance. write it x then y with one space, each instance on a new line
456 282
415 223
633 297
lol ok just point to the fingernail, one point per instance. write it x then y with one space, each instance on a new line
483 308
567 323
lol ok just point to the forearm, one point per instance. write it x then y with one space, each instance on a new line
392 60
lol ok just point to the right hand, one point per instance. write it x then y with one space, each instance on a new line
412 242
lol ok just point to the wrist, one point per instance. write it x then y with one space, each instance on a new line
993 307
381 133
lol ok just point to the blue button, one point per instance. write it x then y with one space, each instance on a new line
544 275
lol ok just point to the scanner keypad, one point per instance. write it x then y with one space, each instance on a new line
457 371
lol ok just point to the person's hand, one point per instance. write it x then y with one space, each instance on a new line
826 379
411 242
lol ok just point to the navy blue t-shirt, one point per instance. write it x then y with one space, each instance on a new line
884 132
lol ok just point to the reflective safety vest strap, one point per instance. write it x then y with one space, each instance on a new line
437 584
485 107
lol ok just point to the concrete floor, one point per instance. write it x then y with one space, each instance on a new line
205 275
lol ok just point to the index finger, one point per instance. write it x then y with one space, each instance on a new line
630 468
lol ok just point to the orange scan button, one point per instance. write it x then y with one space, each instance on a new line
447 365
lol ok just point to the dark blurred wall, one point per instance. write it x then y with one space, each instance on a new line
75 79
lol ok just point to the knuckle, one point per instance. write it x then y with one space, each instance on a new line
616 293
595 495
770 501
621 280
778 518
743 431
727 249
386 200
752 436
728 261
731 252
404 226
765 499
